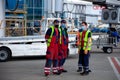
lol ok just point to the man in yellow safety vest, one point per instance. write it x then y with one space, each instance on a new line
84 47
53 39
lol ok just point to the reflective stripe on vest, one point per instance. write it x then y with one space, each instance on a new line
51 35
60 34
86 44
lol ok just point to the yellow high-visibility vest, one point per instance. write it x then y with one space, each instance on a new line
87 44
51 35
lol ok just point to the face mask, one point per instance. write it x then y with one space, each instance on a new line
83 28
63 25
56 26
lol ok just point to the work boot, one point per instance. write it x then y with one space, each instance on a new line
57 73
89 70
79 70
46 75
85 73
64 70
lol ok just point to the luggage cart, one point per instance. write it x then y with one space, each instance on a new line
105 42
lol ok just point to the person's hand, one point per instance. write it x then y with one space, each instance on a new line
85 51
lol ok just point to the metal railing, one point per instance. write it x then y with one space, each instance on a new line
22 31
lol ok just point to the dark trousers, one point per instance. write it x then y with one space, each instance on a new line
62 61
83 62
49 63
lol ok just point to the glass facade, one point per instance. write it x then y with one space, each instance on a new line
25 13
34 8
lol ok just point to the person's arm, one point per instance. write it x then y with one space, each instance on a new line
89 39
48 33
67 36
89 42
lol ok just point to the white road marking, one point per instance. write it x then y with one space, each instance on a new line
114 68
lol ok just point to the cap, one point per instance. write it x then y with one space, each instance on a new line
56 21
63 21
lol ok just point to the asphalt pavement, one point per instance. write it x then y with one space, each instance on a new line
103 66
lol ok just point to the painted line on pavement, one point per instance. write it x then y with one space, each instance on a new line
117 61
115 65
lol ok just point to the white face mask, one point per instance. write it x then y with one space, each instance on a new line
83 28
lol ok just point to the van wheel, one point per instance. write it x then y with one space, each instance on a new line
108 50
4 55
